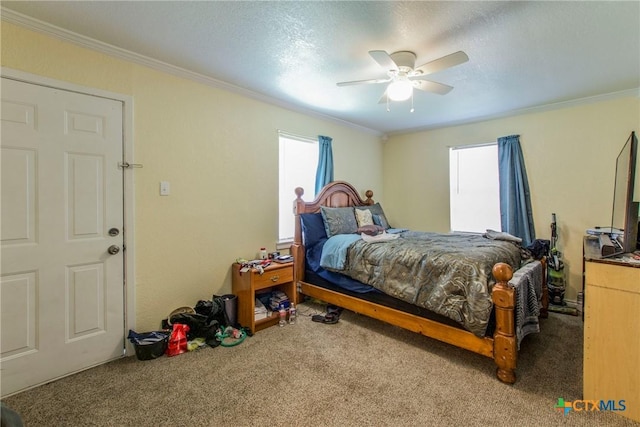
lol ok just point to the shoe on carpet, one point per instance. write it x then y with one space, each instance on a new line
334 309
329 318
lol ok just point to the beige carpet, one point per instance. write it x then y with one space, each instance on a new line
359 372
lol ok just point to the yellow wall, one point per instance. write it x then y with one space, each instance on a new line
218 150
569 155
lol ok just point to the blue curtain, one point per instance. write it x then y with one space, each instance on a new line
515 202
324 174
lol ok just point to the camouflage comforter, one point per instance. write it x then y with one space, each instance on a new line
449 274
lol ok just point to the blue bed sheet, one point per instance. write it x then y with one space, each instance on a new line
313 263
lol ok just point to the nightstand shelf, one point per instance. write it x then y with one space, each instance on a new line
246 285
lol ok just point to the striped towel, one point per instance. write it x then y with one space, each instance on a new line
527 282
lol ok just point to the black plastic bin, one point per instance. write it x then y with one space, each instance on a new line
149 345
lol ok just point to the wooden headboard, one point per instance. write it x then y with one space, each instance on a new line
336 194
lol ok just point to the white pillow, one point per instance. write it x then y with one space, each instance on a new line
364 217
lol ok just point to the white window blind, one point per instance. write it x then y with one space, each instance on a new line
298 161
474 188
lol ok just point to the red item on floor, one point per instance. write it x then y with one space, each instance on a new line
178 340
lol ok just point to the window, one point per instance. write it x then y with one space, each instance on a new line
298 164
474 188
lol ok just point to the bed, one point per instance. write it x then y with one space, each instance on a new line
515 301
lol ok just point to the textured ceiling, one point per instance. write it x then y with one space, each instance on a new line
521 54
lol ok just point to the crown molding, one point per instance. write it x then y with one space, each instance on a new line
628 93
42 27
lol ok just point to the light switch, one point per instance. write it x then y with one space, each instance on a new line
164 188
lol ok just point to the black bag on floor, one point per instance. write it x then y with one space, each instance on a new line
200 326
214 310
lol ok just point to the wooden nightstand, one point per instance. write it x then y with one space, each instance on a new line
245 286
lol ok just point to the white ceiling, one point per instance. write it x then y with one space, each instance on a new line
522 55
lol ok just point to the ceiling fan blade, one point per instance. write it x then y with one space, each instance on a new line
429 86
358 82
383 98
448 61
383 58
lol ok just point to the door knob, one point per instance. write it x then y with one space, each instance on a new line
113 249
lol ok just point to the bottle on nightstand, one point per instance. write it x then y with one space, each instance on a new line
283 315
293 313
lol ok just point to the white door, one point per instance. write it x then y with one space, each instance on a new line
62 301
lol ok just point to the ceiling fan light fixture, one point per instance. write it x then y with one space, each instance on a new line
400 90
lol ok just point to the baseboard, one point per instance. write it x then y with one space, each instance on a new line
570 307
570 303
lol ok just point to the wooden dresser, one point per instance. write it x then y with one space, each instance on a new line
612 332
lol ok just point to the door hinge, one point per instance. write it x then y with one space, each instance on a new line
127 165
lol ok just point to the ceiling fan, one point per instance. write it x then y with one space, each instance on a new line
403 76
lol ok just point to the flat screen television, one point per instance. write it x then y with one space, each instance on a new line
624 217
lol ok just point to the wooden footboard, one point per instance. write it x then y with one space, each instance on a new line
505 350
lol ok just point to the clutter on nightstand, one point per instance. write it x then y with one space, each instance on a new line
278 299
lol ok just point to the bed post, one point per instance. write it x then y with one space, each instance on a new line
369 198
297 249
505 351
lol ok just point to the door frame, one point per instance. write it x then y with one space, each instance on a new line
128 183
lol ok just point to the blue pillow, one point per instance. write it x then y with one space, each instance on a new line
380 220
312 228
339 220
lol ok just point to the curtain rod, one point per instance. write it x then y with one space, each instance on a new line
294 136
460 147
